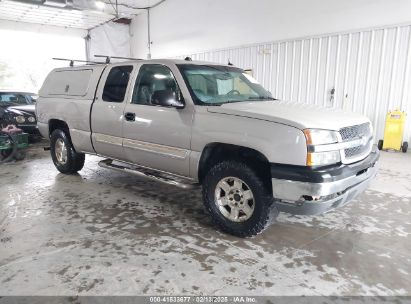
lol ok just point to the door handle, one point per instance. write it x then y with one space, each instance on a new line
130 116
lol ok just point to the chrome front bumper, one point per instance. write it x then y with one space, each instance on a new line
302 197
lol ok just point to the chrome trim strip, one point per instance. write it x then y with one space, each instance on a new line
172 152
339 146
108 139
293 190
155 148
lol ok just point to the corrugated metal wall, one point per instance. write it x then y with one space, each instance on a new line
370 70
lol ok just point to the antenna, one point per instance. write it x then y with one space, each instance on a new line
108 58
75 60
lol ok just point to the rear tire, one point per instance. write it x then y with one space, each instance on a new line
380 144
65 158
245 208
404 147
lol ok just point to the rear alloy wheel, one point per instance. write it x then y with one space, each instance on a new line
238 199
65 158
60 151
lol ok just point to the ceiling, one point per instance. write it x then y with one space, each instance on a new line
81 14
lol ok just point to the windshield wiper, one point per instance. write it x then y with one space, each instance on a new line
224 102
236 100
261 98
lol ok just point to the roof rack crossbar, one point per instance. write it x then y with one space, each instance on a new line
72 61
108 58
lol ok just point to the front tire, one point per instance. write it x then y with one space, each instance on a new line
238 199
65 158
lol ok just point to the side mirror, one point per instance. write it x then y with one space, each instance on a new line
166 98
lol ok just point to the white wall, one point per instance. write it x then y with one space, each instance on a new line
41 29
111 39
27 51
182 26
365 59
369 69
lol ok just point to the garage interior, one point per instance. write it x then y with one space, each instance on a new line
102 232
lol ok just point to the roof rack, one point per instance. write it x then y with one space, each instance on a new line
108 58
75 60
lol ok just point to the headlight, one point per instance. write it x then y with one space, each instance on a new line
323 158
20 119
320 137
31 119
316 137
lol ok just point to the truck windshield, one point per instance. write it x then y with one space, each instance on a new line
216 85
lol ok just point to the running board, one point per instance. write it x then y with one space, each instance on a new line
150 174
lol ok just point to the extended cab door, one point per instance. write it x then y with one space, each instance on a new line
157 136
107 111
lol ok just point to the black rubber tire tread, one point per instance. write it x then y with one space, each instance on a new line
75 161
8 155
265 211
20 155
404 147
380 144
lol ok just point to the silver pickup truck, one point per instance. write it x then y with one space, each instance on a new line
190 123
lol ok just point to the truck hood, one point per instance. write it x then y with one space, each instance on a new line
298 115
22 110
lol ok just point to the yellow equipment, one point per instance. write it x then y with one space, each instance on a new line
394 131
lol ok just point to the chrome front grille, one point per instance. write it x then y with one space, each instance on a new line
362 131
353 152
354 132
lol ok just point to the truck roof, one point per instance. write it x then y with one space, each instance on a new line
152 61
80 81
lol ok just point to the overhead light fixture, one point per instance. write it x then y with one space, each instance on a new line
100 4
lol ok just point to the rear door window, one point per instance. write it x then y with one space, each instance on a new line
116 83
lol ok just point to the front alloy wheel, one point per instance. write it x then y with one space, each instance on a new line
234 199
238 199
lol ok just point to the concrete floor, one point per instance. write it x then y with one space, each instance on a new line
106 233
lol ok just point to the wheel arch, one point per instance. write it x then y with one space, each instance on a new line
216 152
55 124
